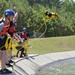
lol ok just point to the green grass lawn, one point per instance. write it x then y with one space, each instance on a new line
52 44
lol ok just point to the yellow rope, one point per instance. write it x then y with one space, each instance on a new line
44 31
8 43
38 29
1 47
46 18
25 45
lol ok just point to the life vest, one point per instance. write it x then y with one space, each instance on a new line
23 35
12 29
5 28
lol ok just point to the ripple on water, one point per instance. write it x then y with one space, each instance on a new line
65 67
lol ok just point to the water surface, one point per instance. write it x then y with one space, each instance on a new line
65 67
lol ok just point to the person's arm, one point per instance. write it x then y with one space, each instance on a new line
17 36
8 35
16 14
15 17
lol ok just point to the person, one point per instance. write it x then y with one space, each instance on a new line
24 34
13 33
24 37
5 24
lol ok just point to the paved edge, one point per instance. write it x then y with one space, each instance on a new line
56 57
37 62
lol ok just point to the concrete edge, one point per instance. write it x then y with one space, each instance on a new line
68 55
37 62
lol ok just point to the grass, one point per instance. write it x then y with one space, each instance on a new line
51 45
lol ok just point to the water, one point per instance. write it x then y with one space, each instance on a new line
65 67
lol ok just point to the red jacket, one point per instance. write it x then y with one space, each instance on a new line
23 35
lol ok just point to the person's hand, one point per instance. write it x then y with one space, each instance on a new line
8 35
22 41
15 9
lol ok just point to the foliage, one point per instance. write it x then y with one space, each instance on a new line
31 15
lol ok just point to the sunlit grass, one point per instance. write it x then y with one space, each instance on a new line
52 44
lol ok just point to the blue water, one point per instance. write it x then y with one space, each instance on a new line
65 67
